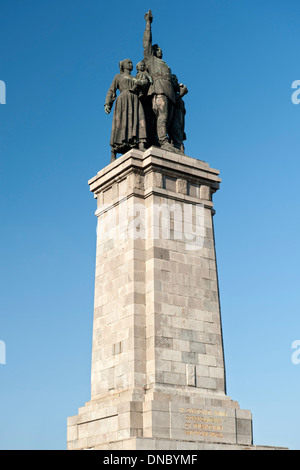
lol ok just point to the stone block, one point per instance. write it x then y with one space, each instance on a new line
191 375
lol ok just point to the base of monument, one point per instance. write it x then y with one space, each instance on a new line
148 444
162 419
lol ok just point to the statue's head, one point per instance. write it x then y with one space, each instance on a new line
141 66
157 51
125 64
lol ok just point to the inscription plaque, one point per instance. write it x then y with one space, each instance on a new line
199 422
203 423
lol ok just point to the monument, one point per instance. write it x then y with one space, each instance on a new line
158 374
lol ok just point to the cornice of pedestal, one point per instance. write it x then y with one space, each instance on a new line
163 162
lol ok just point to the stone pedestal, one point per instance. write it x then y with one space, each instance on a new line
158 374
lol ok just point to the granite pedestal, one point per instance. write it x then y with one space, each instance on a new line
158 374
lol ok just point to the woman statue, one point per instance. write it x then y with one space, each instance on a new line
129 125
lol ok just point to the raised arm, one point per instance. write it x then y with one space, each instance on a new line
147 40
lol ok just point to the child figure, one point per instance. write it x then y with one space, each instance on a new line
144 80
143 75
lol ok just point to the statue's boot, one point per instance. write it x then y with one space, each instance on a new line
170 148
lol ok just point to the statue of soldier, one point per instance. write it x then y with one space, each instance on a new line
161 90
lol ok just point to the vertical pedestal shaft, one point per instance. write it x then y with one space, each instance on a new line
158 374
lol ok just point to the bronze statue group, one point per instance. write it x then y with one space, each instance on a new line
149 109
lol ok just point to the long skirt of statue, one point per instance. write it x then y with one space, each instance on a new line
129 125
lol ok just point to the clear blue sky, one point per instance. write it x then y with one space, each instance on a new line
58 58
